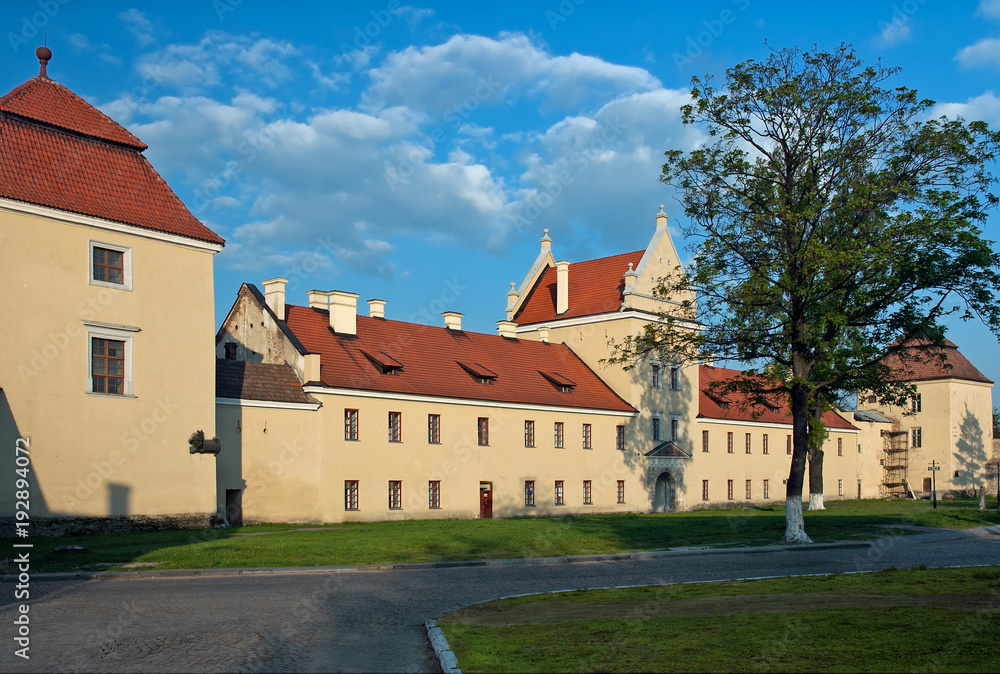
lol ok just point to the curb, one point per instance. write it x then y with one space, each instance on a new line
412 566
446 657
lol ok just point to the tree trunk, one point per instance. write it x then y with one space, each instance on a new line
795 527
816 479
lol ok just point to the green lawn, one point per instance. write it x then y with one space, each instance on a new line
949 622
445 540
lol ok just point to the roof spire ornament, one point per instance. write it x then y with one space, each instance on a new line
44 55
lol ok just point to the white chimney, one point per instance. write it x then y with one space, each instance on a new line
452 320
661 219
274 295
312 369
343 312
562 287
543 333
376 308
318 299
507 329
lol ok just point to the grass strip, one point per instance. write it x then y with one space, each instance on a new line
450 540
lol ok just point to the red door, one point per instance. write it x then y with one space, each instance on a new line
486 500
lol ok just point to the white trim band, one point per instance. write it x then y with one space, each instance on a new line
268 404
765 424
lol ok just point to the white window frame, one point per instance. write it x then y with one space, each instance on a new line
121 333
126 252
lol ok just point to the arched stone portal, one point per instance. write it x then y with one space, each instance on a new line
663 496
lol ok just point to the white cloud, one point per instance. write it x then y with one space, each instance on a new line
140 27
989 9
896 31
985 107
984 52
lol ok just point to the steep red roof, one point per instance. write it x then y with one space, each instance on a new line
441 362
240 380
712 407
58 151
595 287
45 101
960 366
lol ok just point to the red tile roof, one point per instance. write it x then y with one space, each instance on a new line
960 367
595 287
240 380
712 407
58 151
432 361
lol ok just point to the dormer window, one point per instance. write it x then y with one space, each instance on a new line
480 373
718 400
562 384
383 362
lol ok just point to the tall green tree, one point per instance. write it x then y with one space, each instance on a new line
833 223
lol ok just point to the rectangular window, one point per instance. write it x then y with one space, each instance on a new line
704 441
729 490
915 404
916 436
586 436
655 374
621 491
840 487
107 369
434 429
559 492
395 426
586 493
350 494
840 446
350 424
559 434
788 445
395 494
434 494
748 443
529 433
763 444
529 493
729 443
110 265
766 494
656 428
704 490
620 437
749 490
675 379
483 428
674 429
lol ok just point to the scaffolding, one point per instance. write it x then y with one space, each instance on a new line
895 450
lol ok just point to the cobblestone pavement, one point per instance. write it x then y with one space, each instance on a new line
373 620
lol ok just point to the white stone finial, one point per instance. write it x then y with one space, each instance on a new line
545 235
630 266
511 285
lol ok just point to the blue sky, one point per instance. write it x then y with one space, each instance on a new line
414 153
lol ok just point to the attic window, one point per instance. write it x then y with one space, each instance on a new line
772 407
480 373
562 384
718 400
385 363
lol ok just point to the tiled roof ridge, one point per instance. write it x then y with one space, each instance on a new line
607 257
13 102
417 325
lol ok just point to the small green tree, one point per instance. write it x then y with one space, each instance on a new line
833 226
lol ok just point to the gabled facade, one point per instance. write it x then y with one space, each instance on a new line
948 422
107 367
410 421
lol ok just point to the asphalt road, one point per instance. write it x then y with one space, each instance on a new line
373 621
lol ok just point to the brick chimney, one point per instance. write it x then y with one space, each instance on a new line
343 312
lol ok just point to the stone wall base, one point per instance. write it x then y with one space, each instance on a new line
84 526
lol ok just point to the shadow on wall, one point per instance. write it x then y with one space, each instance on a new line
970 454
9 436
